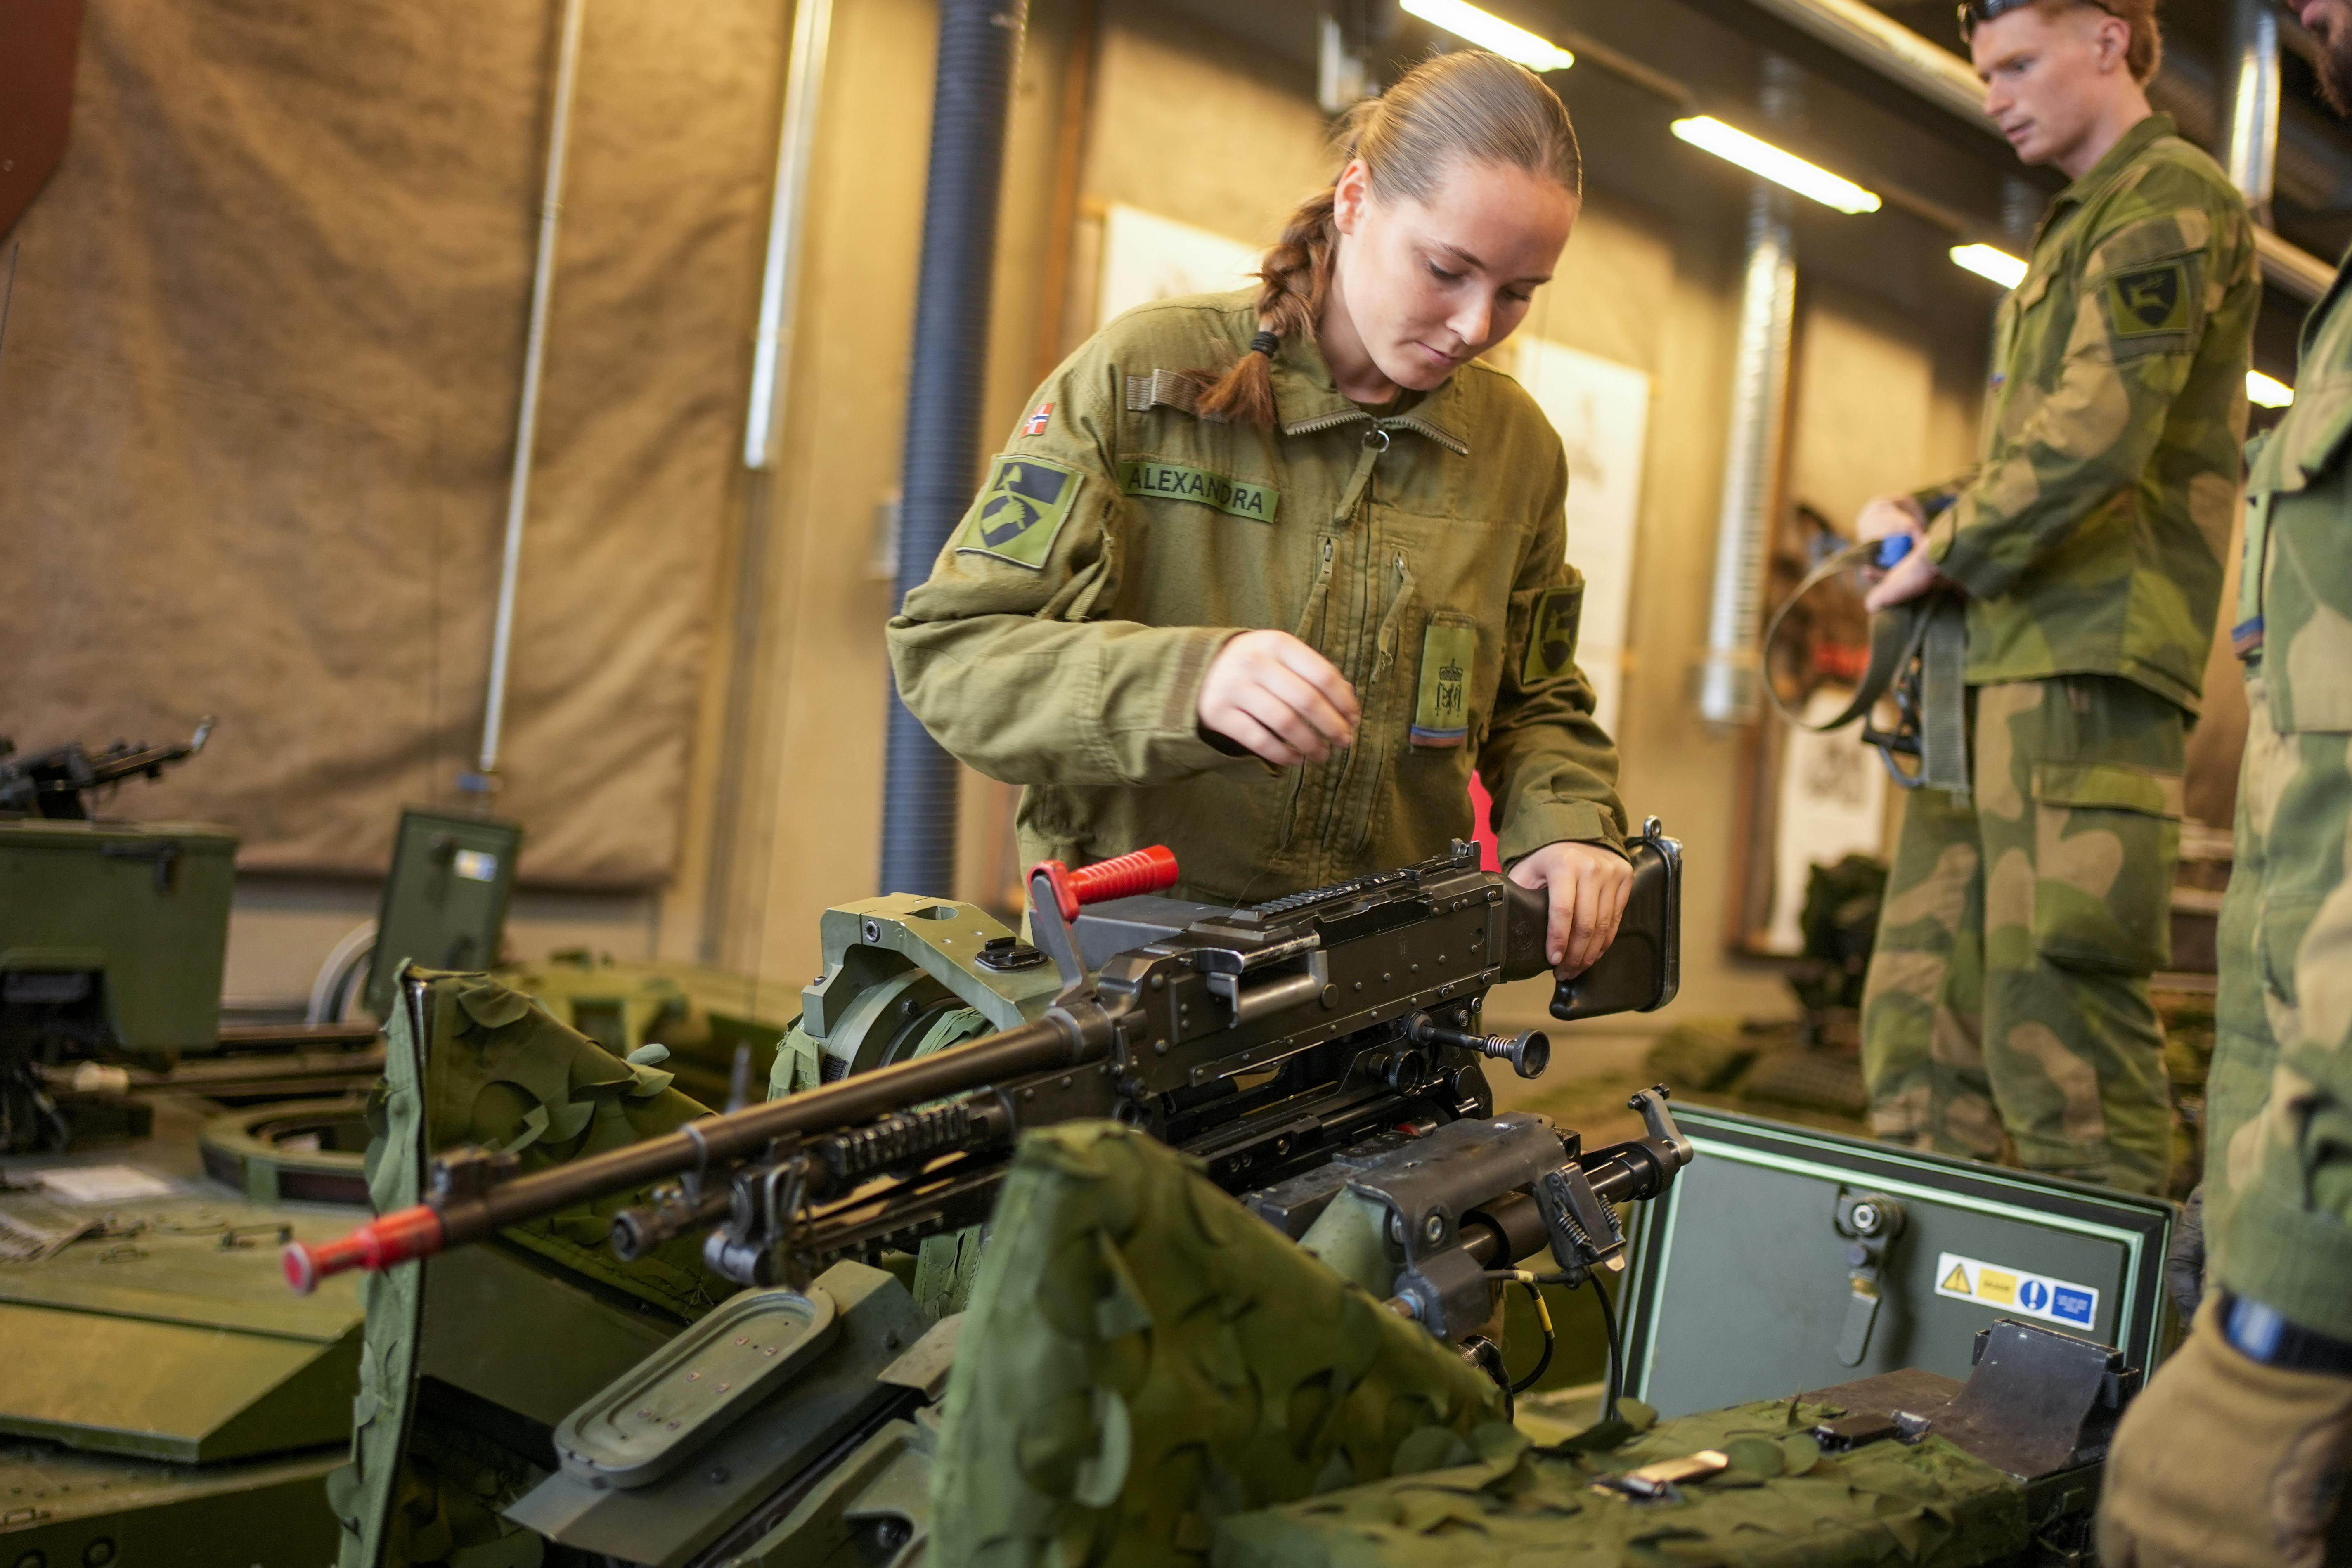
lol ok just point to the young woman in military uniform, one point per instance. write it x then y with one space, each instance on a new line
1264 575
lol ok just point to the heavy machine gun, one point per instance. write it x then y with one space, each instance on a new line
52 784
1266 1041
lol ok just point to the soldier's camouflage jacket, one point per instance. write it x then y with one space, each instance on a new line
1119 541
2090 534
2279 1150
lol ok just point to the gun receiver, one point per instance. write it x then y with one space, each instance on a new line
51 783
1265 1041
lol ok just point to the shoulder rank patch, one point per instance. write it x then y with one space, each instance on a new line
1020 512
2149 300
1551 635
1238 497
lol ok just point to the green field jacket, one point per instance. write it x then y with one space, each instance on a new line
2090 535
2284 1236
1119 541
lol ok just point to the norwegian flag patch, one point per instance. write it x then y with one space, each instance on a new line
1038 417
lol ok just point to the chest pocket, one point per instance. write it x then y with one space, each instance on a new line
2295 592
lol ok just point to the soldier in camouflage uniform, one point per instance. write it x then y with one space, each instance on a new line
2238 1451
2008 999
1274 615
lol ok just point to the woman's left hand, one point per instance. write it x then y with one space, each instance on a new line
1588 884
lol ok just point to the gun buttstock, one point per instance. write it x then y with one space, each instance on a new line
1642 968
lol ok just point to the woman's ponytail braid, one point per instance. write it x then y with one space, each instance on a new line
1291 282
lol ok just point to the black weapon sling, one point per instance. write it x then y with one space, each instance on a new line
1918 657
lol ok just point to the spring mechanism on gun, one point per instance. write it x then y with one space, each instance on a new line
892 1142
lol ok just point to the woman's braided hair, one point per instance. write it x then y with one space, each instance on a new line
1467 105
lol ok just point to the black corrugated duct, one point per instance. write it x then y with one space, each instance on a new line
980 51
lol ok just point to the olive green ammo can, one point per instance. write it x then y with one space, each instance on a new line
114 934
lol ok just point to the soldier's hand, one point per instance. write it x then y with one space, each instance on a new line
1588 885
1905 580
1277 698
2222 1460
1882 516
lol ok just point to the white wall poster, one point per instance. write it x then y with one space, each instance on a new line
1601 410
1832 805
1146 257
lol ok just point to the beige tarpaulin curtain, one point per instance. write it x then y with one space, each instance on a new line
258 401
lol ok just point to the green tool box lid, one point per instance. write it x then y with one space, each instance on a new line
1750 1277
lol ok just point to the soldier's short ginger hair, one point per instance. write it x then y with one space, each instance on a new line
2145 53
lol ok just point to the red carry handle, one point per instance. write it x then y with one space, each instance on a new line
1123 877
378 1245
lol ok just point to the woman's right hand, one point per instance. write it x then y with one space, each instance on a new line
1277 697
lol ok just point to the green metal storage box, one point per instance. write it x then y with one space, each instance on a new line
1746 1282
140 907
445 904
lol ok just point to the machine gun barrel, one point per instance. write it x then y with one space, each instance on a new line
53 783
1261 1039
716 1143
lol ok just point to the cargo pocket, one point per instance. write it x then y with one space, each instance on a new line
2107 838
2280 928
1318 598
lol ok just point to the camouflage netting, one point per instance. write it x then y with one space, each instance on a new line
506 1076
501 1073
1144 1357
1782 1502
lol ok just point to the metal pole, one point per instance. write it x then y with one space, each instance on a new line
2254 104
771 351
980 54
1727 680
735 851
484 779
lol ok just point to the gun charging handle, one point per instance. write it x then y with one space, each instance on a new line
1056 893
1529 1053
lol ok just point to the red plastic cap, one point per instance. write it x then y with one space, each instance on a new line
1122 876
396 1237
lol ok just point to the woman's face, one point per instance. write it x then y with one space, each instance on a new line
1428 285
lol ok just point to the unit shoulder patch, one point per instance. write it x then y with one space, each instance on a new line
2149 301
1237 498
1021 511
1551 635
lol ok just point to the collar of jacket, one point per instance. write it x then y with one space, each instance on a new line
1306 399
2120 156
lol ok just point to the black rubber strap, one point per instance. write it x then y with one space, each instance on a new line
1930 631
2261 1333
1893 640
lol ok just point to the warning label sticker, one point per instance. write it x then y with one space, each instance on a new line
2015 1290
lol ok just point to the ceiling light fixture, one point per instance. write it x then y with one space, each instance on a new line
2268 391
1491 32
1987 262
1713 135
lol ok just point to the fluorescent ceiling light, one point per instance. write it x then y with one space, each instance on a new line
1762 158
1490 32
2267 391
1986 262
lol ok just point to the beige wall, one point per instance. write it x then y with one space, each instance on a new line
1884 396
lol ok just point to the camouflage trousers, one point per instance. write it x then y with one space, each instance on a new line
2007 1010
2281 1075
